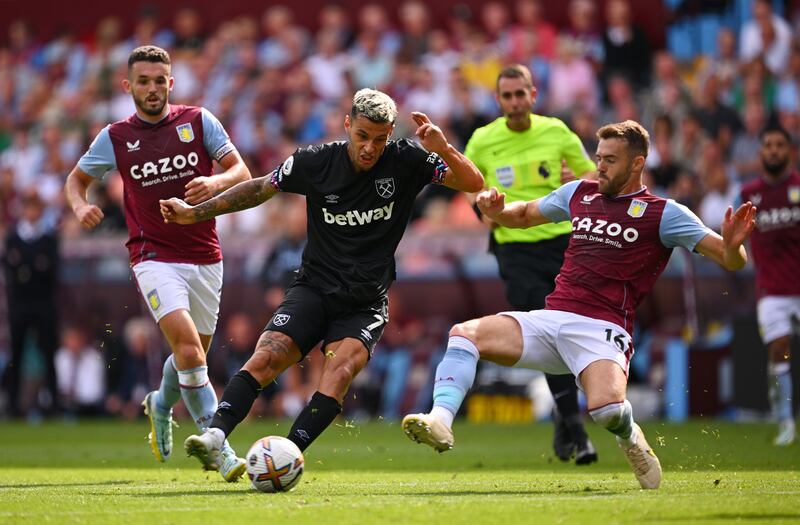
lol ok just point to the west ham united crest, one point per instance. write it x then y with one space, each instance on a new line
185 132
281 319
637 208
385 187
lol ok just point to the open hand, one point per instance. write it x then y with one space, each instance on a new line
737 227
429 134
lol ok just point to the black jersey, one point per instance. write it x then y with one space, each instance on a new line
356 220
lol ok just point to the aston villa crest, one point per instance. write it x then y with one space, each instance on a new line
385 187
636 209
794 194
185 132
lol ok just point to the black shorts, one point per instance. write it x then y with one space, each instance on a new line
309 316
529 270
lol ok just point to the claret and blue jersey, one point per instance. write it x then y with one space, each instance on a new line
618 248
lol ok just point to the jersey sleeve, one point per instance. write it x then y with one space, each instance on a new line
215 138
575 154
99 159
470 151
555 205
291 175
428 167
681 227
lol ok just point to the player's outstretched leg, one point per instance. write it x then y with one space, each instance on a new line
158 409
454 377
617 418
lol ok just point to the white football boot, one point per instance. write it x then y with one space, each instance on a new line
206 447
160 436
232 467
642 459
786 433
425 428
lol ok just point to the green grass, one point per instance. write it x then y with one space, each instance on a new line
103 473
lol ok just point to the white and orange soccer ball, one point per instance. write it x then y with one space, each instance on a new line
274 464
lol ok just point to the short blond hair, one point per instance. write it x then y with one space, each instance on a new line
632 132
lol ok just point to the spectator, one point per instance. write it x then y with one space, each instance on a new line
80 369
139 371
572 80
767 36
625 46
31 264
719 189
583 28
745 153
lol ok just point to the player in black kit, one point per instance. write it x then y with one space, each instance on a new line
359 196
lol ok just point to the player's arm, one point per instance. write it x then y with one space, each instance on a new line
201 189
520 214
728 250
242 196
75 189
461 174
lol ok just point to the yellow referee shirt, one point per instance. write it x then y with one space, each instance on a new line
526 165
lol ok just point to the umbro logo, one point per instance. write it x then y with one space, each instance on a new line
366 335
331 199
133 146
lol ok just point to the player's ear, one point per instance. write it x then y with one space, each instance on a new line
126 85
347 123
171 82
534 92
638 163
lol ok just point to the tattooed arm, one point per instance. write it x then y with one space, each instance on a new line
244 195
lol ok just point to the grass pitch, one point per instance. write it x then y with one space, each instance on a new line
371 473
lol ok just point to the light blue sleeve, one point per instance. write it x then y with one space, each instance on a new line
555 205
681 227
215 139
100 158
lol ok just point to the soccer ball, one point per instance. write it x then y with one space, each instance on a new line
274 464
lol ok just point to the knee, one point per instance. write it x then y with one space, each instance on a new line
466 330
779 350
612 415
272 353
188 355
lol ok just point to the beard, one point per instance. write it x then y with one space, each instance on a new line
148 110
775 167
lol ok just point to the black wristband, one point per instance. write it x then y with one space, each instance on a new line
477 211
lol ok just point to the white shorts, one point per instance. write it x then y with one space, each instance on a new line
775 314
196 288
558 342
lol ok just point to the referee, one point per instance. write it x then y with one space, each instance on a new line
527 156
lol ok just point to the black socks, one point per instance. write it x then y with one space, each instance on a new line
318 414
237 399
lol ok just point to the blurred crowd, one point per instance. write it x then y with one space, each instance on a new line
276 85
